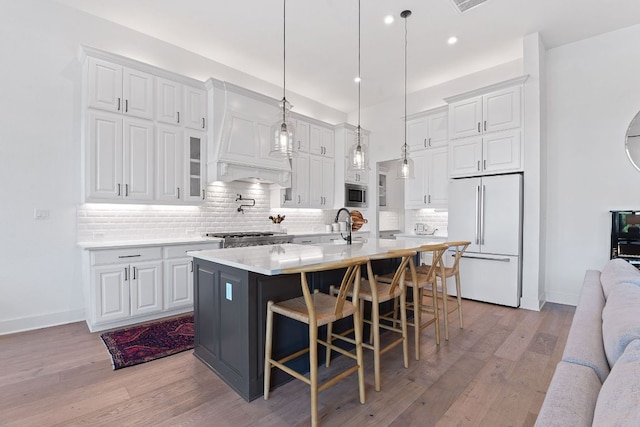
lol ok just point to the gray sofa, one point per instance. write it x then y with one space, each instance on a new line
597 382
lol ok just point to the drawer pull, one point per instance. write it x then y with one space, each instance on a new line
129 256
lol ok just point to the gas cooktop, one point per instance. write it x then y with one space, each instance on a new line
233 239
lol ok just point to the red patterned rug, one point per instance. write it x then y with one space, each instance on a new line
143 343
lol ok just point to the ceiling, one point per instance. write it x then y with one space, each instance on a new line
322 37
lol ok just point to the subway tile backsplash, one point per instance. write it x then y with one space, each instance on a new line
120 222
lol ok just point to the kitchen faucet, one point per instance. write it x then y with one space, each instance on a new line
348 238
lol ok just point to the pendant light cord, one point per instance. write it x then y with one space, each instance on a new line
284 50
359 75
284 61
405 86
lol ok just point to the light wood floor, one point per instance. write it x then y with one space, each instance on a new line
494 372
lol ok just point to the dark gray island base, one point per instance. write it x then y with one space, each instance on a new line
230 318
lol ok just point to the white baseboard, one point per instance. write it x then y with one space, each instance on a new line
42 321
563 298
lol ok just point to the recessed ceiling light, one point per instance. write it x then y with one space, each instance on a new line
388 19
452 40
357 80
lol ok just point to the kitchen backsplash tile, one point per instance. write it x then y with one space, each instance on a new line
389 220
97 221
438 220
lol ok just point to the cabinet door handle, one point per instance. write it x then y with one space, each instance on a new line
178 114
298 144
126 105
429 142
478 164
484 164
478 127
429 199
178 192
298 199
129 256
425 143
126 190
203 123
134 273
118 104
118 189
203 194
424 199
126 269
191 266
485 125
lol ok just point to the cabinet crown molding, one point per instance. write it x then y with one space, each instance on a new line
88 51
486 89
436 110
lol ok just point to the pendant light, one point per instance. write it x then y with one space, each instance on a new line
283 131
405 168
358 155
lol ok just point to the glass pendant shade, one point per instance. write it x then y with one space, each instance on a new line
282 134
358 155
405 166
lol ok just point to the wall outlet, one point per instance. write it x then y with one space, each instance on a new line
41 214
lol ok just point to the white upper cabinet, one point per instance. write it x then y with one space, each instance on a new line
115 88
486 128
179 104
120 158
321 141
429 188
498 152
195 103
302 136
170 154
492 112
169 101
321 180
428 130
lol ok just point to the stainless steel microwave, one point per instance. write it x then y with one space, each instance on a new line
355 196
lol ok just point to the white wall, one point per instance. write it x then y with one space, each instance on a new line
40 274
593 94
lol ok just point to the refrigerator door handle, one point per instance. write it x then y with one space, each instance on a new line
482 215
487 258
477 214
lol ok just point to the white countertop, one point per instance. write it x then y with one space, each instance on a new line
118 244
272 259
438 237
114 244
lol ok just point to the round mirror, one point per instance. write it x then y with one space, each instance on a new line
632 143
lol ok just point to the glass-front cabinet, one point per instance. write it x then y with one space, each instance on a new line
195 167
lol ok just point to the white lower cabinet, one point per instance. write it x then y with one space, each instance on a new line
137 284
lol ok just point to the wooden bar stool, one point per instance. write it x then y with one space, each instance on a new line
378 293
316 310
443 273
419 282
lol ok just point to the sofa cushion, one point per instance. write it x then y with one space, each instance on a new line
620 320
619 400
584 343
618 271
571 397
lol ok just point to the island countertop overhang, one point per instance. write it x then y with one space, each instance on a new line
271 260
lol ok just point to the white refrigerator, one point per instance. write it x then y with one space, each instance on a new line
488 212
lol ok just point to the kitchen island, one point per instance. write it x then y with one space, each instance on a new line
232 288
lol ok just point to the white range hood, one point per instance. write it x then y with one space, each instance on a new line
242 122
